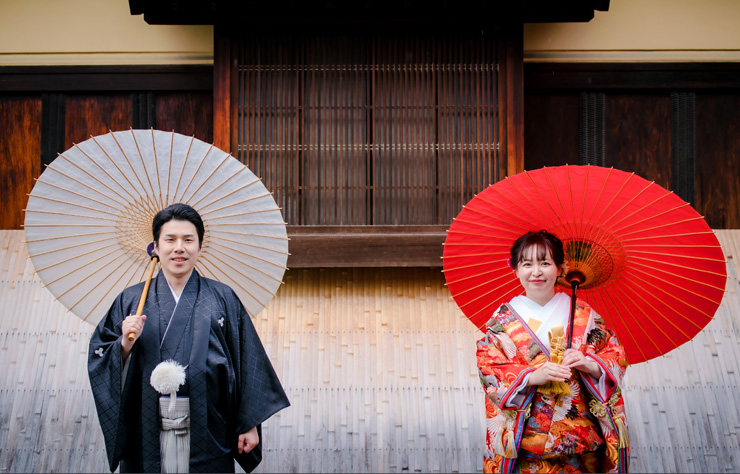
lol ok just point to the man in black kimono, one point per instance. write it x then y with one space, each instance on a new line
202 325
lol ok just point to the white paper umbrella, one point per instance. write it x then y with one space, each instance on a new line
88 219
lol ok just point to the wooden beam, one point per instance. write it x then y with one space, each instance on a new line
105 78
366 246
600 76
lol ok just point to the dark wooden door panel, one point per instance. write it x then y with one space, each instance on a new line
636 131
91 115
20 155
638 134
188 113
677 124
550 129
718 158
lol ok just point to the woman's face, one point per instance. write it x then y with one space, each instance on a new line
538 273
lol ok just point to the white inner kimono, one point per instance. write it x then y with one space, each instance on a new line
556 312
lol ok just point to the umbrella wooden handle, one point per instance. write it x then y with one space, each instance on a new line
575 278
142 300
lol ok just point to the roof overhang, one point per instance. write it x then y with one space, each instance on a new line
462 13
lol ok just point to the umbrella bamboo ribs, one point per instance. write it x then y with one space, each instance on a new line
643 258
102 194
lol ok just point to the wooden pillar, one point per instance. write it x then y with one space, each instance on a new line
511 100
224 92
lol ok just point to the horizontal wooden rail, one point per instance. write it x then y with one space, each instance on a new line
366 246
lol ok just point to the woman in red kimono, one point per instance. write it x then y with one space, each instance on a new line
533 428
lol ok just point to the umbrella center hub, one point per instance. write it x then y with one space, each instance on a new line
135 227
596 261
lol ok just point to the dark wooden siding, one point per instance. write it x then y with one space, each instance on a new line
638 134
644 126
46 110
718 157
188 114
20 151
95 114
550 129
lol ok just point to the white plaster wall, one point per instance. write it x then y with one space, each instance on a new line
643 30
66 32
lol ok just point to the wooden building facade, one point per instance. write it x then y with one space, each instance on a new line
373 126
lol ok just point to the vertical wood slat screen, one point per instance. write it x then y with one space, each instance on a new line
369 129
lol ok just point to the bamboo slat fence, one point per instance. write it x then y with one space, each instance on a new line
380 369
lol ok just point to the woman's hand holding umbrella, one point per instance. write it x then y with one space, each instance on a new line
561 372
576 360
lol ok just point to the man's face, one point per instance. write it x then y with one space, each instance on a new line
178 248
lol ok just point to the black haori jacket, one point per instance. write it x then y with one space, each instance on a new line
230 381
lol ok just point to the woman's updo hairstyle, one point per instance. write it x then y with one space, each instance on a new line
543 241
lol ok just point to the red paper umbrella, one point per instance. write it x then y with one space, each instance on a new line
652 266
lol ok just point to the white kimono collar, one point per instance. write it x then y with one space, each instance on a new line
554 313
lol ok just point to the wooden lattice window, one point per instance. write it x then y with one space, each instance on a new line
381 129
